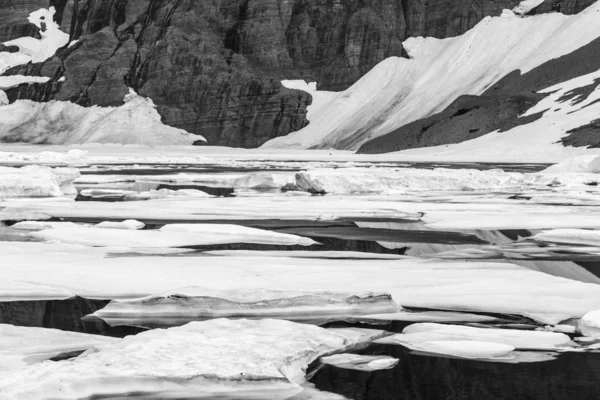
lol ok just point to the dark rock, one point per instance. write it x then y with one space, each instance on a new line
498 108
585 136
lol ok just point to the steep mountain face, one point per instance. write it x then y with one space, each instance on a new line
214 67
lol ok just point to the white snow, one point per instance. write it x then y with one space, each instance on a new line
36 50
572 236
398 91
62 122
36 181
471 342
590 324
214 357
176 235
181 306
7 82
22 346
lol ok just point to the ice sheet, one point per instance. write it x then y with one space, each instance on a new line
222 356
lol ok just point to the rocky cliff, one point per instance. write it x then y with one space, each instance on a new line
213 67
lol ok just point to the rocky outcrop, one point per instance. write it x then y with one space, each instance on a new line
214 67
500 107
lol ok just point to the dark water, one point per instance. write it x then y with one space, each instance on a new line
572 376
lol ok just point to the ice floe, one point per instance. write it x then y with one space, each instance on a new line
22 346
587 163
217 357
129 224
472 342
179 307
33 271
175 235
360 362
571 236
36 181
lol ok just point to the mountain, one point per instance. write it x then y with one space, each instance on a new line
391 75
213 67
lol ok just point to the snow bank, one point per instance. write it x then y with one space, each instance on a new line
32 49
179 307
36 181
573 236
217 357
22 346
590 324
176 235
7 82
60 122
588 163
398 91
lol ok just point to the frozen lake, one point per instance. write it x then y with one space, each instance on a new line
234 249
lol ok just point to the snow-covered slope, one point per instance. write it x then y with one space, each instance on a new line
61 122
399 91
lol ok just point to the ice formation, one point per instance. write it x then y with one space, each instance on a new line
179 307
217 357
36 181
398 91
471 342
175 235
584 164
22 346
60 122
62 271
129 224
590 324
571 236
360 362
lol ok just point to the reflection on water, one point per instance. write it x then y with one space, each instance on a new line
418 377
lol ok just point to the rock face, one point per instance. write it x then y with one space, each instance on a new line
214 67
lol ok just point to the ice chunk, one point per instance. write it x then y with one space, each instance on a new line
586 163
196 304
36 181
171 236
519 339
574 236
263 180
130 224
22 346
103 193
164 194
464 349
360 362
590 324
42 225
217 357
